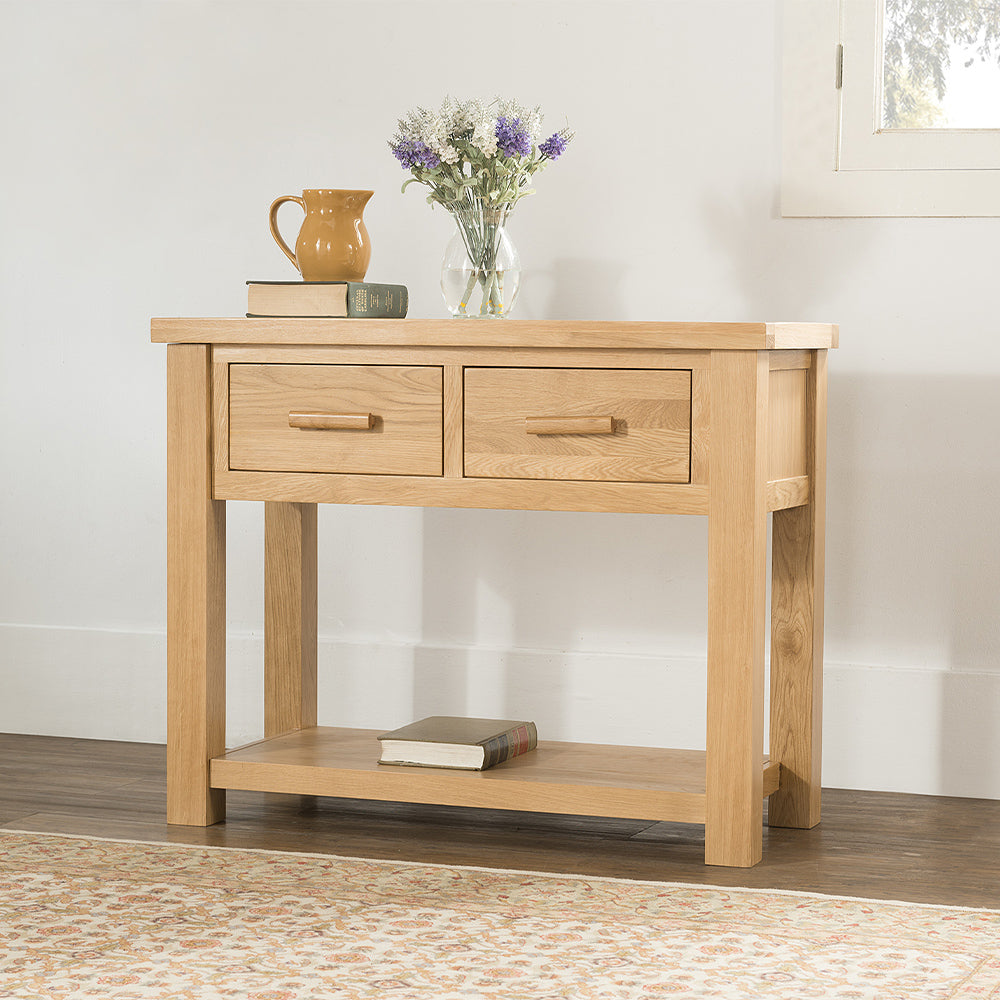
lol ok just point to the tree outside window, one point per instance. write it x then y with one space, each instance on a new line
940 64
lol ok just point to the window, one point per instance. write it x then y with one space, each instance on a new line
891 107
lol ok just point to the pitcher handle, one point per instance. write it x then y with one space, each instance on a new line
273 220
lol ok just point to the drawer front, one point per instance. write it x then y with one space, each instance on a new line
596 425
353 419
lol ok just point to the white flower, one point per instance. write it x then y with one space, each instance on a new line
461 141
484 135
533 123
530 118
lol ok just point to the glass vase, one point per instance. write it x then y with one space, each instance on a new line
481 271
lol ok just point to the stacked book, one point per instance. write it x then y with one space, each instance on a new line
326 299
449 741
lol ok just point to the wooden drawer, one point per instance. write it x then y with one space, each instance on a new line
578 424
374 419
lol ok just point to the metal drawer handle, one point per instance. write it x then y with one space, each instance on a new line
332 421
569 425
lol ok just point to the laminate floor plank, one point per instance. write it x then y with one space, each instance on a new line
870 844
118 801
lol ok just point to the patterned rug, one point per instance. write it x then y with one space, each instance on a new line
82 917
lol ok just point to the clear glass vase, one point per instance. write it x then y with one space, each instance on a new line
481 271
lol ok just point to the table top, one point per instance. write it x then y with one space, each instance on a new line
497 333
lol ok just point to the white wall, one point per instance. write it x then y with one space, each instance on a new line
139 156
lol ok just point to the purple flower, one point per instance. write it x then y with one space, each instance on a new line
512 138
413 153
553 147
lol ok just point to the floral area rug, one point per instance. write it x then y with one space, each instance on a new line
82 917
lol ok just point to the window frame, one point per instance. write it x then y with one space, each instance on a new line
901 172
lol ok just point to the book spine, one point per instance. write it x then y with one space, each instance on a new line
371 300
511 744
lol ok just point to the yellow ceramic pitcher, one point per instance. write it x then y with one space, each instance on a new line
333 243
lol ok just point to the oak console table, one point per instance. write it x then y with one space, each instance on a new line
726 420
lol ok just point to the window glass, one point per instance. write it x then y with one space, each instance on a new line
940 64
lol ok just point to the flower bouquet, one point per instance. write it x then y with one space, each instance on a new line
477 159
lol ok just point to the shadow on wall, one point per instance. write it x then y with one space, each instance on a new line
913 546
970 726
538 613
782 267
575 288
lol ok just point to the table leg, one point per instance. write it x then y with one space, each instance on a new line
289 617
737 557
196 594
797 632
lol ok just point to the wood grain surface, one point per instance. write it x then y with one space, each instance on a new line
578 778
401 432
508 333
649 413
885 845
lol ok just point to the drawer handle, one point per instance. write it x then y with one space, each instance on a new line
332 421
569 425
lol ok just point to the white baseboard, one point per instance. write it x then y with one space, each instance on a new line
927 731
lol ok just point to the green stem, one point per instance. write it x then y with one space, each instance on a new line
484 305
481 230
467 293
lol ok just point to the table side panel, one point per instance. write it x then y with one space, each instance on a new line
798 547
788 424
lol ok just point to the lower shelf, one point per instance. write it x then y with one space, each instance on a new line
578 778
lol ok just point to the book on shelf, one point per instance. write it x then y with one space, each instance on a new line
454 741
326 299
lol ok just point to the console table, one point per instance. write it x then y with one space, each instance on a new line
725 420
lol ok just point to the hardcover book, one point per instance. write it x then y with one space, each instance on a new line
453 741
326 299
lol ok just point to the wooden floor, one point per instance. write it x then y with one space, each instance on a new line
871 844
